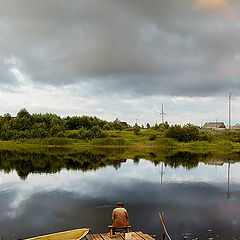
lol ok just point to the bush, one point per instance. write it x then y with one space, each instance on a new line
152 137
106 126
73 134
186 133
206 136
110 141
136 129
57 141
94 132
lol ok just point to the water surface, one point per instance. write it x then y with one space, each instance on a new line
80 190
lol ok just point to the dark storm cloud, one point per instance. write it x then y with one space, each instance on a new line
187 48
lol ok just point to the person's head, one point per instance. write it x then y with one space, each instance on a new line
119 204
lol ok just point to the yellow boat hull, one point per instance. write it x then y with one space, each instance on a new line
75 234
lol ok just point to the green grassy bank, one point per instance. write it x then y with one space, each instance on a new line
145 138
49 130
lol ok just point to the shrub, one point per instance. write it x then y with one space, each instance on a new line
57 141
73 134
186 133
152 137
106 126
110 141
206 136
136 129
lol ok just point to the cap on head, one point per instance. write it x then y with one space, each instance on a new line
119 203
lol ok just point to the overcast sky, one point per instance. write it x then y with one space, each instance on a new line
121 58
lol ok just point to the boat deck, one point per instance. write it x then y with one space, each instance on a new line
119 236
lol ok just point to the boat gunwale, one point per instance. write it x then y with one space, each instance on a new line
87 230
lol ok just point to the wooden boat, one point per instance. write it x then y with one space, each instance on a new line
75 234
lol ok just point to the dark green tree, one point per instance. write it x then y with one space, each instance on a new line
186 133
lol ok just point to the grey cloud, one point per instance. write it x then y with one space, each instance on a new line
6 76
136 47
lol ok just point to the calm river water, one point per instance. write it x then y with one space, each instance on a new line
195 199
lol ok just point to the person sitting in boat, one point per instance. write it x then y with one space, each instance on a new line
120 216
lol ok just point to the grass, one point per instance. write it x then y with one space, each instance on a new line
127 138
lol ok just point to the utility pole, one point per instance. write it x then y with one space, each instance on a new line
228 192
229 109
162 172
162 114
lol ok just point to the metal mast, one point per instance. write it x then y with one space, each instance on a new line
229 110
161 173
162 114
228 192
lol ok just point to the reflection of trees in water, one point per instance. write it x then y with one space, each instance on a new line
186 159
24 162
52 160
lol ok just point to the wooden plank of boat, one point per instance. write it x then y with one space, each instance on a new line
75 234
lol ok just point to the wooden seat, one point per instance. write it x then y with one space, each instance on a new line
112 229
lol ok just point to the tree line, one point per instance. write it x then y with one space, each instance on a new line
30 126
45 126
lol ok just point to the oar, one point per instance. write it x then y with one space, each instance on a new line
164 228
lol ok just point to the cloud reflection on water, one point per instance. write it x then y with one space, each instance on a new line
70 199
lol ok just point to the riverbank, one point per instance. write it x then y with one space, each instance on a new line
128 139
49 130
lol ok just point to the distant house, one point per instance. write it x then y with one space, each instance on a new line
236 127
216 161
214 126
